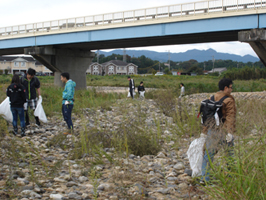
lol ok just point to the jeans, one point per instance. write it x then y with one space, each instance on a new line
67 110
213 141
15 112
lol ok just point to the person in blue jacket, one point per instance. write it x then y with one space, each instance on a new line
68 100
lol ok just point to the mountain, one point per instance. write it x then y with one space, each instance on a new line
199 55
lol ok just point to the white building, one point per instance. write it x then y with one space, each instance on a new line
220 70
113 67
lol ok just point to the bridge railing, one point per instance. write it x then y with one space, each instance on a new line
132 16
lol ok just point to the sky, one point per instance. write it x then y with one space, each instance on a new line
17 12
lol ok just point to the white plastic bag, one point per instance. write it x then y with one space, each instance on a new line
129 95
141 94
5 110
39 112
195 154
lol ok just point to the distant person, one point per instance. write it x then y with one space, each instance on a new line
182 92
141 90
131 87
68 101
17 96
220 136
31 84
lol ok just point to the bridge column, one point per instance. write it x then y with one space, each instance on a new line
257 40
73 61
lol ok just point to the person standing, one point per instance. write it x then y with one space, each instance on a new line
68 101
220 136
131 86
31 84
182 92
141 90
17 96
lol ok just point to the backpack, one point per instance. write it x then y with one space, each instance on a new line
211 109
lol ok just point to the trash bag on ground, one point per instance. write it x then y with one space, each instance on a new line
195 154
5 110
141 94
39 112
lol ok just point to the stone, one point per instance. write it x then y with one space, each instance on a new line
188 172
83 179
182 186
73 195
71 183
104 187
31 194
59 180
56 196
179 166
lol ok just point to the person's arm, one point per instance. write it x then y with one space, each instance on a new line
39 91
230 118
23 94
7 92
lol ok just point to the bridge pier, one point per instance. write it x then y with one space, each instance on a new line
257 40
73 61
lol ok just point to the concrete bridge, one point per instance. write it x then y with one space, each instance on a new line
66 44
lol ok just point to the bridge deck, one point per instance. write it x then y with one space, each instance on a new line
170 12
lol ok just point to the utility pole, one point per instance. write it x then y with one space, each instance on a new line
159 66
98 56
169 59
213 60
237 65
124 56
204 65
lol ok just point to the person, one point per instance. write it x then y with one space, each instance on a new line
31 84
141 90
17 96
182 93
131 86
221 136
68 101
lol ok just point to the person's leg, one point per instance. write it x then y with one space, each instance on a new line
67 110
22 120
208 156
15 120
37 121
27 118
131 93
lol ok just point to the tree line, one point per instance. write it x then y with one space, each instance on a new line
147 65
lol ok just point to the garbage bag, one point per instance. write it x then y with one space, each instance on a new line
5 110
141 94
39 112
195 154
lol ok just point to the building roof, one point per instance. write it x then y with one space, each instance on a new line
11 58
218 70
115 62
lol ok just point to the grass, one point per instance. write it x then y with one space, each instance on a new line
246 180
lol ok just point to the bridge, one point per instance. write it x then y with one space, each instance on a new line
67 44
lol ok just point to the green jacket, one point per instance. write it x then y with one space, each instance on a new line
68 93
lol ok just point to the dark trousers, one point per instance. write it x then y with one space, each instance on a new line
28 119
131 92
18 112
67 110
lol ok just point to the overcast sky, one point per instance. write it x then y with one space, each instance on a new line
16 12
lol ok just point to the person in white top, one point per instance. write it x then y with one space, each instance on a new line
182 93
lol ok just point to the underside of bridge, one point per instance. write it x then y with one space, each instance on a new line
257 40
76 57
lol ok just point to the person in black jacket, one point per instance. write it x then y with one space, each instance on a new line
141 90
17 95
31 84
131 86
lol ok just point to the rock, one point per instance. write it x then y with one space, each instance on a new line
71 183
73 195
179 166
161 155
56 196
83 179
31 194
104 187
182 186
59 180
188 172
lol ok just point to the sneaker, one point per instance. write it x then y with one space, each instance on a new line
15 131
23 132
